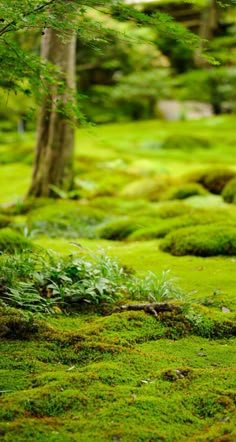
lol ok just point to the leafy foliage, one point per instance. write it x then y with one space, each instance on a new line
46 284
19 64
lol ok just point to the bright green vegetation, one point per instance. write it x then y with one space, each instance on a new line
125 376
229 192
13 242
202 241
79 372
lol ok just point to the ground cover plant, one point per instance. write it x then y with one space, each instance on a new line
75 363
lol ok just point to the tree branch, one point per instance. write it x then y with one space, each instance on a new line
39 8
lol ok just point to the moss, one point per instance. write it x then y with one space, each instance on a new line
184 191
229 192
24 205
213 179
162 228
133 393
127 376
209 240
68 219
185 142
171 209
13 242
15 324
117 230
4 221
147 188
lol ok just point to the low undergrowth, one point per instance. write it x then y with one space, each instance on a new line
47 282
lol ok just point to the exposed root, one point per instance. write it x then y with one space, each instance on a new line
153 308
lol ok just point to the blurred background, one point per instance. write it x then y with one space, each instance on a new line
143 73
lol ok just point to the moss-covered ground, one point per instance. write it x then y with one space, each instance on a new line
126 376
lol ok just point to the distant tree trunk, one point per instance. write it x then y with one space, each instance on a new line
55 135
208 26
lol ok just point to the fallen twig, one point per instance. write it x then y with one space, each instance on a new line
153 308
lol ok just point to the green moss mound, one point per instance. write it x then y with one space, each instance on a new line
209 240
229 192
184 191
185 142
214 179
117 230
164 227
147 188
25 205
171 209
4 221
13 242
68 219
15 324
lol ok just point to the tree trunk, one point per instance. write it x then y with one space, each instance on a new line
208 26
55 134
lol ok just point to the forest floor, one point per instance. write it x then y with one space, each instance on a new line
151 195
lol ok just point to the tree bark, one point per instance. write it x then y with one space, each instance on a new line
53 164
208 26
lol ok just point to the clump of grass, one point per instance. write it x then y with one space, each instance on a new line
202 240
229 192
154 288
44 284
13 242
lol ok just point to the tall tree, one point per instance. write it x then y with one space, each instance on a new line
61 19
55 134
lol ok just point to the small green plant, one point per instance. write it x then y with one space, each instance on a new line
154 288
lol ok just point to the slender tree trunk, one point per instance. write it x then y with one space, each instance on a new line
208 26
55 135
